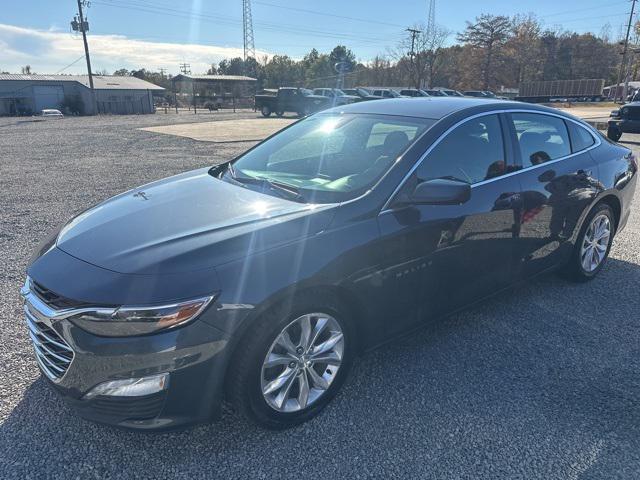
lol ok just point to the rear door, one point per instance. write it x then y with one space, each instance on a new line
559 181
442 257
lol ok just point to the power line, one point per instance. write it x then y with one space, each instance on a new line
217 19
566 12
333 15
70 65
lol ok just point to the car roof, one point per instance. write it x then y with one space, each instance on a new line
436 108
427 107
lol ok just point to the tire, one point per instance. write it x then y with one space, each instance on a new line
280 113
265 110
614 133
249 379
575 269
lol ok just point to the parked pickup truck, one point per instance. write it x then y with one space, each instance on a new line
624 120
289 99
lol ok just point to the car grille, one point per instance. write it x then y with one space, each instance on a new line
53 299
53 354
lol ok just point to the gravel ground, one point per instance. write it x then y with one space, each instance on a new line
543 383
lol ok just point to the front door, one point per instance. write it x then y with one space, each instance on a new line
439 258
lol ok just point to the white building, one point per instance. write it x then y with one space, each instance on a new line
28 94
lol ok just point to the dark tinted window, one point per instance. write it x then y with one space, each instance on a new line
580 137
541 138
630 113
473 152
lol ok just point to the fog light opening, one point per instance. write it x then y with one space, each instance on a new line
130 387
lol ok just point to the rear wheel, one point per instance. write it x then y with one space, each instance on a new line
592 245
265 110
292 363
280 113
614 133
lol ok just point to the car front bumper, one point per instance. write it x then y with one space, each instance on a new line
74 362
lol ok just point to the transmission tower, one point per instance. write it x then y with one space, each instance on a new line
247 23
431 17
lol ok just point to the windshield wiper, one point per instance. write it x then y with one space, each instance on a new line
285 190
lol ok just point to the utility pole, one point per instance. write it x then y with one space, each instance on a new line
80 24
185 68
414 33
163 72
412 54
623 63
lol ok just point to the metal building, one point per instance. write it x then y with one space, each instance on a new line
28 94
219 90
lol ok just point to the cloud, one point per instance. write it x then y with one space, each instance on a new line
48 51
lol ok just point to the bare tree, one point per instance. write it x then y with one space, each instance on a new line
420 64
487 35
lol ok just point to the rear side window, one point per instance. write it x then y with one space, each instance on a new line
580 137
473 152
541 138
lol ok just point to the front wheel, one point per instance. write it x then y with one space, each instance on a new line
266 110
293 362
592 245
280 113
614 133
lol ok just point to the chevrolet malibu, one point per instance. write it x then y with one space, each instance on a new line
258 281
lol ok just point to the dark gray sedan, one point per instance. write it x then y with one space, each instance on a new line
259 280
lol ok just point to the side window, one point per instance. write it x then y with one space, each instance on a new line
473 152
540 137
580 137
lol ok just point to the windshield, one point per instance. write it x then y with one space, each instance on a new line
306 92
328 158
363 92
339 92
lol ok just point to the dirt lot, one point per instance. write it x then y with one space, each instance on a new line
542 383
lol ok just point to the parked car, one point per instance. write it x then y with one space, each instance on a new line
626 119
475 93
413 92
259 280
386 93
289 99
337 96
450 93
435 93
360 92
51 113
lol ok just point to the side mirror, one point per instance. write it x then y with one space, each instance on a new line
441 191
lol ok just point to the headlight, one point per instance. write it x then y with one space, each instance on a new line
130 320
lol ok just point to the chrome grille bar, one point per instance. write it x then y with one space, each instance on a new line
53 354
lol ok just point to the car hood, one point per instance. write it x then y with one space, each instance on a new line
184 223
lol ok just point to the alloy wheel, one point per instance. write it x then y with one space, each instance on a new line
595 243
302 362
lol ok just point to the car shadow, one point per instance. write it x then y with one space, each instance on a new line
541 381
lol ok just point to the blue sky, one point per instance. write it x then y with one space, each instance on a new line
162 33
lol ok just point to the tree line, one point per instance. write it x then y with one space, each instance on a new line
492 52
